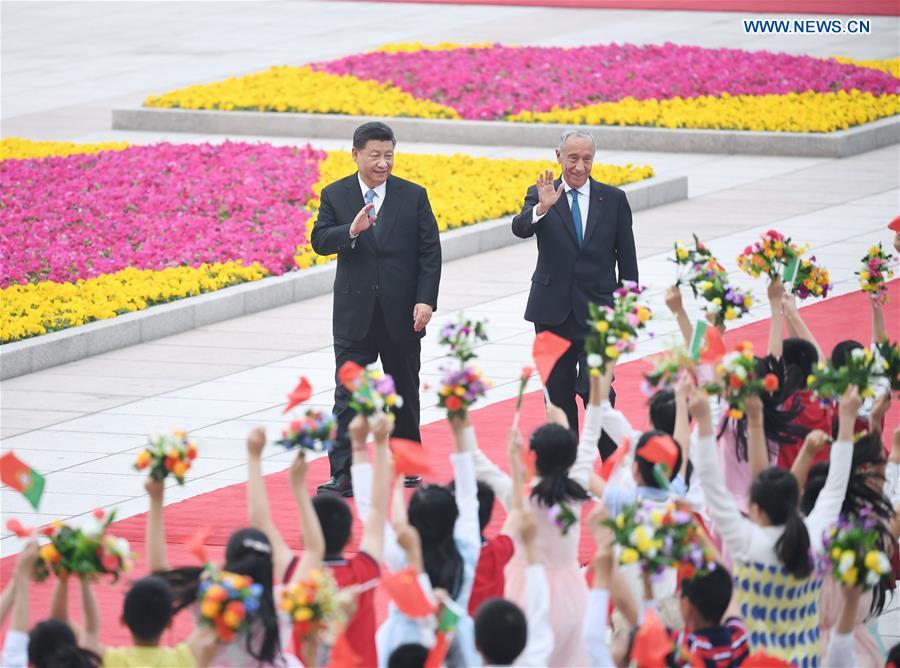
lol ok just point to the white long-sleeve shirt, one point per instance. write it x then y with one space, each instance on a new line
540 642
595 629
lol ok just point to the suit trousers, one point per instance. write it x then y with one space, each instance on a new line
571 377
400 360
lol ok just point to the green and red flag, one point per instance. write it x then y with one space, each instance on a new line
21 477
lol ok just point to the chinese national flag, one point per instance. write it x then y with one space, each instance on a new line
410 457
406 593
610 463
547 349
342 654
21 477
301 393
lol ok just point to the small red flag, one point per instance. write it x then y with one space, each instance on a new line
546 351
610 464
349 375
762 660
342 654
713 348
661 450
22 478
895 224
410 457
301 393
652 643
196 543
438 653
406 593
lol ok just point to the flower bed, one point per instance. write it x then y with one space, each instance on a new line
619 84
90 236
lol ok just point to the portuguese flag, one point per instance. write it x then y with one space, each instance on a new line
21 477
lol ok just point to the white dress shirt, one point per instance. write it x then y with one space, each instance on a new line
584 199
380 192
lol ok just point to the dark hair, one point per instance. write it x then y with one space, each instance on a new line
372 131
861 494
248 553
776 492
555 449
410 655
52 644
780 410
841 352
148 608
336 519
501 631
893 656
486 499
645 468
662 410
709 593
800 358
433 512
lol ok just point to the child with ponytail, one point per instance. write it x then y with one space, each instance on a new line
773 551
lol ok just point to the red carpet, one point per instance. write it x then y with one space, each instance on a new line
861 8
225 510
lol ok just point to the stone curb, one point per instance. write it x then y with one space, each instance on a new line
102 336
841 144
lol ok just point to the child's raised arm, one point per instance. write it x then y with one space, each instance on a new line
155 532
15 645
372 541
313 539
776 337
757 448
258 503
485 470
676 306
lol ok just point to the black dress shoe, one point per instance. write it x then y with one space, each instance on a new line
337 484
412 481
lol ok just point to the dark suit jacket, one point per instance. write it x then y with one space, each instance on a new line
568 277
399 259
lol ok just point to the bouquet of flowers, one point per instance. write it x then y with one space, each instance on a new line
890 362
85 550
875 272
316 604
690 260
659 537
167 454
614 330
851 551
316 431
372 390
776 255
462 337
737 378
724 302
227 602
861 369
563 517
460 388
667 367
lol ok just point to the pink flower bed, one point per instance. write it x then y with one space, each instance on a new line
495 82
152 207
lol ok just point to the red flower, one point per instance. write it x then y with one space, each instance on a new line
735 382
99 513
775 235
770 383
453 403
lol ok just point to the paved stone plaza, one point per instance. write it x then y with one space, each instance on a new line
67 65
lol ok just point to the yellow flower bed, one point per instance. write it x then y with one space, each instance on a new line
409 47
795 112
301 89
890 65
37 308
463 190
19 149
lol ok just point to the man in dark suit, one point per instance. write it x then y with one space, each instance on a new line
583 230
386 284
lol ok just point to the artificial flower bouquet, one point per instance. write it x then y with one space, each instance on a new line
851 551
315 431
659 537
667 368
462 337
690 260
316 604
861 369
875 273
614 331
776 255
88 550
737 378
227 602
372 391
460 388
709 281
890 362
165 455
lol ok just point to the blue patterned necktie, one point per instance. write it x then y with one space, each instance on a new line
576 217
370 196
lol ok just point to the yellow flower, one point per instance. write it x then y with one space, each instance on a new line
611 352
863 275
620 521
810 379
629 556
20 149
209 608
643 313
602 326
748 301
302 614
835 553
872 560
851 575
682 253
730 313
735 413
